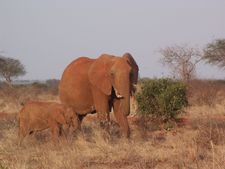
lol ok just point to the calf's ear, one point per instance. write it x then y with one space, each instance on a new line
60 118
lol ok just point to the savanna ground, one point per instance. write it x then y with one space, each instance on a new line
196 140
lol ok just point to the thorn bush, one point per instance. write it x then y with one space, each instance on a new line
161 98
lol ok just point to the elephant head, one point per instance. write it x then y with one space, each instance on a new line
70 117
115 75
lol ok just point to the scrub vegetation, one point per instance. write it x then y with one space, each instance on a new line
194 138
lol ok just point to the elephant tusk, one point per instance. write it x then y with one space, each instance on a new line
117 94
135 85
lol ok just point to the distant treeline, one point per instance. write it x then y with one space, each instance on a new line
215 81
55 82
29 82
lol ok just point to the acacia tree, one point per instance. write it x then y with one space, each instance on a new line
214 53
10 68
182 61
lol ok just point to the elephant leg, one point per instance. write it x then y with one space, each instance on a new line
101 102
60 130
22 133
55 131
67 131
121 118
80 119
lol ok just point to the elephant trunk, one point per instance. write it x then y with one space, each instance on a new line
125 102
122 92
124 98
126 105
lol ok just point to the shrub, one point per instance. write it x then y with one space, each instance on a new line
52 82
39 85
206 92
52 85
2 167
162 98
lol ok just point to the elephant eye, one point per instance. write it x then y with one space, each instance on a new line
112 74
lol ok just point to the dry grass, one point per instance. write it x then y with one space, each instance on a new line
206 92
12 97
196 141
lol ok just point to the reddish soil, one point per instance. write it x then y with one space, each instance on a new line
181 122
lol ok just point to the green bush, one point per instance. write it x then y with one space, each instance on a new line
162 98
2 167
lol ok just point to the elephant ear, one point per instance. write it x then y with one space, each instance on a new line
99 74
134 71
59 117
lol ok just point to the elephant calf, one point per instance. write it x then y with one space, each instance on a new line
37 116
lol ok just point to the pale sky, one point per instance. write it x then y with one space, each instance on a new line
46 35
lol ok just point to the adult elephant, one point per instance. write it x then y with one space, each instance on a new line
96 85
